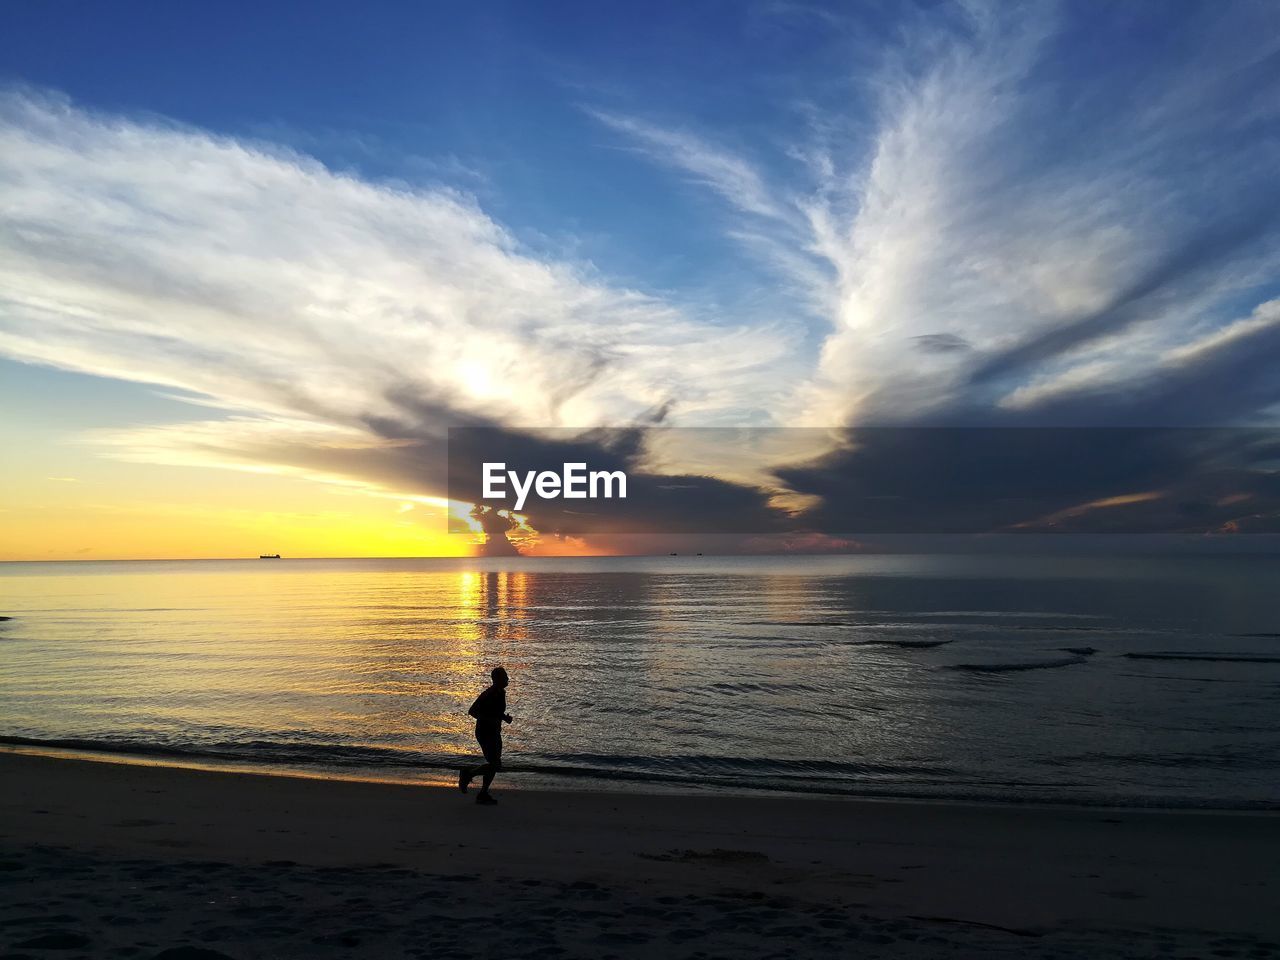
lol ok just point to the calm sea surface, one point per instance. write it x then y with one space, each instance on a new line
1120 681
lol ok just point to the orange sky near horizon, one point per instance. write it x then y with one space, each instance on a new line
61 501
88 524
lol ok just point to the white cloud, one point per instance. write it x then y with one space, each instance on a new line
1066 228
263 283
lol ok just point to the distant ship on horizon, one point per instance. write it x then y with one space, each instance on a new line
268 556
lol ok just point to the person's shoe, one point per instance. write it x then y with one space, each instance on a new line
485 800
464 778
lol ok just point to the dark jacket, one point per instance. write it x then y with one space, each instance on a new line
489 709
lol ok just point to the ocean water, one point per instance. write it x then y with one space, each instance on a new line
1127 681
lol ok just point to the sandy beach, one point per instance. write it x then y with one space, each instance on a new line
107 859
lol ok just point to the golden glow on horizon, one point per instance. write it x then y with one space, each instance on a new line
183 531
127 511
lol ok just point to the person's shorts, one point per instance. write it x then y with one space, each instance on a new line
491 746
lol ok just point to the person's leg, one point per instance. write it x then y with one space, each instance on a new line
467 774
492 748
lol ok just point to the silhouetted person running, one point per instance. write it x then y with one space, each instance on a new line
490 710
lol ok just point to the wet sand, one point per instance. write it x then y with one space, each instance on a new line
113 860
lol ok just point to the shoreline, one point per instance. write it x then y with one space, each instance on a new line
908 875
536 780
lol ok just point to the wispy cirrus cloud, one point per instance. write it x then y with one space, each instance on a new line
1026 217
729 175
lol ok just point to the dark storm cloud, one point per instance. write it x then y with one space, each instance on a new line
1105 458
969 480
655 502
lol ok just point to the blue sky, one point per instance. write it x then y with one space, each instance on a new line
326 231
489 97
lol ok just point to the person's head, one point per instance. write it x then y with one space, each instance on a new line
499 677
